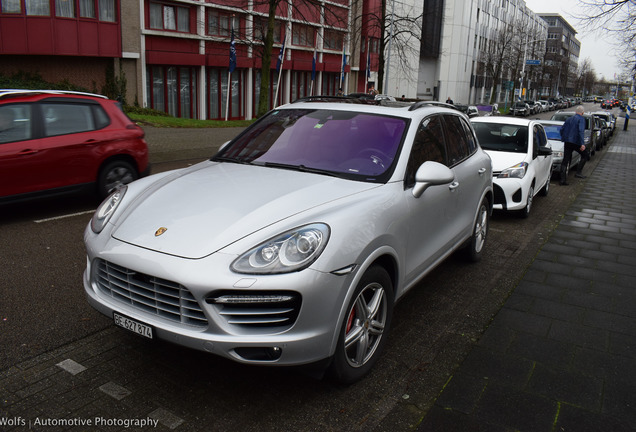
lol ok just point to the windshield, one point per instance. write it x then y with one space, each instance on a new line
502 137
553 132
350 144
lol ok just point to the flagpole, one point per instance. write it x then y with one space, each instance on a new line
368 63
280 71
313 69
227 100
230 69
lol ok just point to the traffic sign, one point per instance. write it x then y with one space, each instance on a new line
533 62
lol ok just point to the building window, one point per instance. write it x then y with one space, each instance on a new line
217 94
107 11
220 24
11 6
87 8
65 8
303 35
37 7
173 90
168 17
260 29
333 40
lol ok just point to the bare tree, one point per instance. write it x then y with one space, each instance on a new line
616 16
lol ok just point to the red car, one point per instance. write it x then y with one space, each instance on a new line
54 141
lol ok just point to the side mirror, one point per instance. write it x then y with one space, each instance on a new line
545 151
431 174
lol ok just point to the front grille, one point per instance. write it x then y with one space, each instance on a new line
257 309
160 297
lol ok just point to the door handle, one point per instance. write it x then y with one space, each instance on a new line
481 171
27 152
453 185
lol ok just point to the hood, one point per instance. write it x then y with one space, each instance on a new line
502 160
212 205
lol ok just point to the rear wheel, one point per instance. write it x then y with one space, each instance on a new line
364 331
475 248
114 174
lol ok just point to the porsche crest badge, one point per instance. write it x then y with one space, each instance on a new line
160 231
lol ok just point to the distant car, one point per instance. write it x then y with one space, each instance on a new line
544 106
521 158
291 245
469 110
520 109
589 137
553 132
608 117
53 142
607 104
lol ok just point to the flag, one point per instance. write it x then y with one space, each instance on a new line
313 66
344 64
279 62
368 59
232 53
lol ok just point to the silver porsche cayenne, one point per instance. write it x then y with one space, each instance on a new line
291 245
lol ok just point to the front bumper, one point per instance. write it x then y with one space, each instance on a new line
310 337
510 193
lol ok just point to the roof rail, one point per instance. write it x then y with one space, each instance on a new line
339 99
17 92
421 104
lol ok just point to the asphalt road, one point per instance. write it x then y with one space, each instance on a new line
42 307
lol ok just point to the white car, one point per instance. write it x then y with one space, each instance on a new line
291 245
521 158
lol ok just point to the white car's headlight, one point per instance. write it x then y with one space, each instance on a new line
288 252
106 209
515 171
557 154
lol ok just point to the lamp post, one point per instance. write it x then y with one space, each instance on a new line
523 66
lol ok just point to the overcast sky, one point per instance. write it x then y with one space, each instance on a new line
596 46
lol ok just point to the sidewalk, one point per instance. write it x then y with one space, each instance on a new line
561 353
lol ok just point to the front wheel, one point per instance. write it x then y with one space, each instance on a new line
364 330
525 212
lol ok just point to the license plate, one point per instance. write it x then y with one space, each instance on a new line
132 325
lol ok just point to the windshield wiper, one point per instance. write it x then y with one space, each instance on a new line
230 159
301 168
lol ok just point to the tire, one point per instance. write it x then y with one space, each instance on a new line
546 188
364 331
474 250
525 212
113 174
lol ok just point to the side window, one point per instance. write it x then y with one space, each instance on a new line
15 122
62 119
539 140
101 118
456 140
470 137
427 146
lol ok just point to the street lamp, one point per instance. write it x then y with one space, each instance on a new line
523 66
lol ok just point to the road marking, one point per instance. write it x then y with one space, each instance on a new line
63 216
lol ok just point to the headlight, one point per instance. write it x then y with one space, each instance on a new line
557 154
106 209
288 252
516 171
